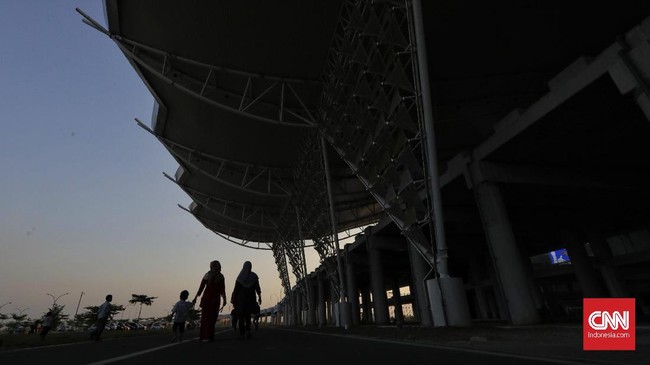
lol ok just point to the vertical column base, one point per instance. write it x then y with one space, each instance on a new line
343 314
309 317
448 302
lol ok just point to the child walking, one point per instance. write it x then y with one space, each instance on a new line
179 311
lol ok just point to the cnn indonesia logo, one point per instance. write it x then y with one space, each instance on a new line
609 324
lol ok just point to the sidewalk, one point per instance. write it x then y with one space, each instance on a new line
548 341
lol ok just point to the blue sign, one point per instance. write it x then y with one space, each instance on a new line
559 256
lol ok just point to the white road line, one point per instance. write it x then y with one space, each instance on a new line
128 356
124 357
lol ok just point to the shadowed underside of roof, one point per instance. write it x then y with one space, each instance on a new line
237 87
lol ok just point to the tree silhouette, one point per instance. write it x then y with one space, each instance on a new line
141 299
17 321
56 314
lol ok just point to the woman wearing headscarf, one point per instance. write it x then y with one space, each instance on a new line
213 288
243 298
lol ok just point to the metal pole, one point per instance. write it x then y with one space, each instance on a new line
432 157
78 303
339 261
304 263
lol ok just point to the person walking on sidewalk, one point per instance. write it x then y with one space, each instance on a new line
179 311
243 298
48 321
214 285
103 315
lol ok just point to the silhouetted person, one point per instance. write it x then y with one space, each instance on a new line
48 321
34 327
243 298
180 310
214 285
103 315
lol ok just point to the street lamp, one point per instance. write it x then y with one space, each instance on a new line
77 310
4 304
22 310
57 298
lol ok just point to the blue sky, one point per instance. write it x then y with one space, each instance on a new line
83 202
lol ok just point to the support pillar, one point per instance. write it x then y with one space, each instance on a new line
367 308
611 276
379 297
322 303
300 308
285 313
333 300
311 308
476 279
505 254
353 289
498 298
420 270
582 266
397 303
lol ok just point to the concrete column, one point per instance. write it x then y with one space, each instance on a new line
493 306
283 315
582 266
476 279
288 312
353 289
322 303
378 286
300 307
397 303
313 301
420 269
603 256
535 291
296 308
333 299
503 247
367 308
498 297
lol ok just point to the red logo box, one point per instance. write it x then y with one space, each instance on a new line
608 324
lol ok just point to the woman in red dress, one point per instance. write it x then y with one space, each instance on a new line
213 288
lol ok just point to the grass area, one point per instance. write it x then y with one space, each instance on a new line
17 341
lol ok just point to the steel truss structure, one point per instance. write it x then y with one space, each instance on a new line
371 112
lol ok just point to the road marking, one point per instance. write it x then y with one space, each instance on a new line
124 357
128 356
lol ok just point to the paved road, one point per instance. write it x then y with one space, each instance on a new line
267 346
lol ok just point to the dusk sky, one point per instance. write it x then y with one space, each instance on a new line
84 203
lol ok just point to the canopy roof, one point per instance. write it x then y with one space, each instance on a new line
237 87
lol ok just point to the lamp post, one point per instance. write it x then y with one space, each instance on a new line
56 298
4 304
21 310
78 303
